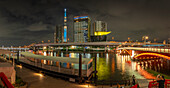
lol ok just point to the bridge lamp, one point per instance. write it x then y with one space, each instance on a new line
44 47
145 38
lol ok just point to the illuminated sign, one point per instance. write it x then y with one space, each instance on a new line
83 17
99 33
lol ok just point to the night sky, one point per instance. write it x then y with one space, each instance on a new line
23 22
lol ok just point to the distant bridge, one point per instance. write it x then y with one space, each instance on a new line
98 44
149 49
146 52
15 49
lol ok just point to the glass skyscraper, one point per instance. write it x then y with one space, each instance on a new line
82 29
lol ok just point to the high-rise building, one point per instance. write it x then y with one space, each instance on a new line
65 26
58 34
82 29
100 26
100 31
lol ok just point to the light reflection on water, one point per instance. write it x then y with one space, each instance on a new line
110 66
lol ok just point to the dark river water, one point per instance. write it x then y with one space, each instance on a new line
110 66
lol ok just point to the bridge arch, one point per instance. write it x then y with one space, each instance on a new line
152 54
126 51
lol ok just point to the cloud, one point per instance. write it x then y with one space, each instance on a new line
35 20
37 27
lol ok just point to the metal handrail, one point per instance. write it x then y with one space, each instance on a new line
5 81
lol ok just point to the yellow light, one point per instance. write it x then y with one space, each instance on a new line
98 33
44 47
159 55
20 66
65 27
128 38
39 74
146 37
84 86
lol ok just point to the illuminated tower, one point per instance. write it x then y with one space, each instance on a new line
65 26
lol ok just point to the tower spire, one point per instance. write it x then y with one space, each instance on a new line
65 26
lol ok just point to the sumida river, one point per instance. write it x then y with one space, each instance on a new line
110 66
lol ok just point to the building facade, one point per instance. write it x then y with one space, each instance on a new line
99 26
59 34
82 29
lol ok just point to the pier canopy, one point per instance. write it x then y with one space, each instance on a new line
2 51
60 59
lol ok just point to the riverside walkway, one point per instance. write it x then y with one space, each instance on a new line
35 80
143 83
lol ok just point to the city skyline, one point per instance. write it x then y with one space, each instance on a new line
26 22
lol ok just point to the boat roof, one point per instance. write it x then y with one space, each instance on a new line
60 59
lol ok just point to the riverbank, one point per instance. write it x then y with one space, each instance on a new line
156 73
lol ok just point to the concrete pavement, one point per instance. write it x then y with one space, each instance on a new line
36 80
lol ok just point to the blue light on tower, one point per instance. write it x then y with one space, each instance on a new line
65 26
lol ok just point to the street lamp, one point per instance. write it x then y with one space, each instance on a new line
145 38
128 39
48 41
112 38
155 40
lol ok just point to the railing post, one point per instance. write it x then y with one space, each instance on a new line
160 49
17 56
95 64
80 68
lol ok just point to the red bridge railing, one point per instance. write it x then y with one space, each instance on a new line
5 81
155 84
167 83
135 86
